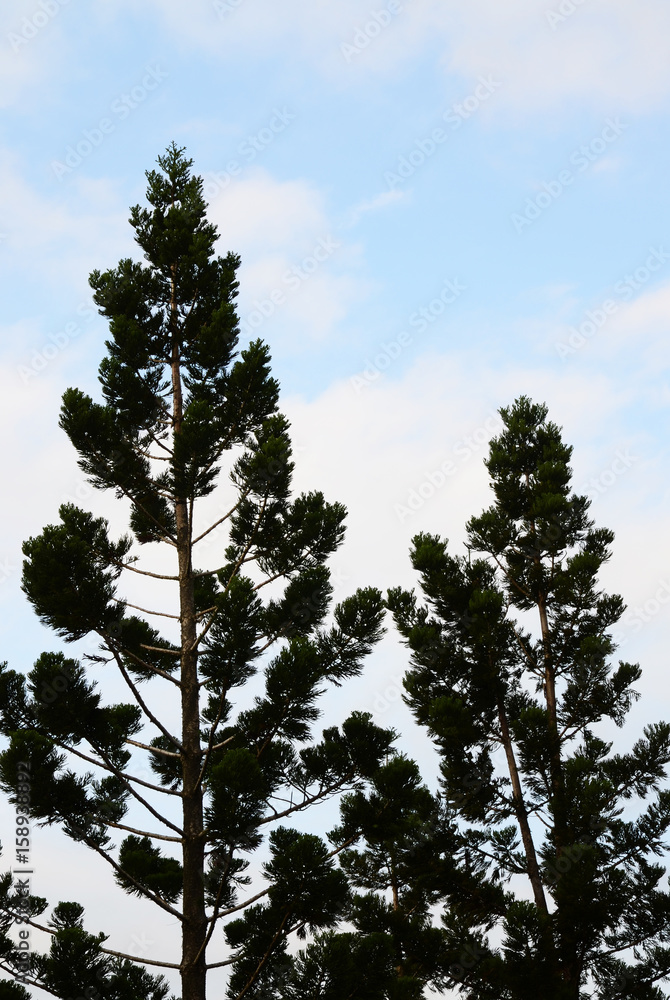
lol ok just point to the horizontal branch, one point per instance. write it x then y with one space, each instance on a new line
24 979
142 833
143 961
224 743
144 746
220 965
240 906
144 572
161 649
145 611
220 521
107 765
105 951
154 458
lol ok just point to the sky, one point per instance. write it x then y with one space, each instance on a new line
439 207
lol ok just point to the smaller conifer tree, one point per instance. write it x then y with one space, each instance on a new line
511 675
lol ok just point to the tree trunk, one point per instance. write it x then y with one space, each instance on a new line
555 763
194 926
521 814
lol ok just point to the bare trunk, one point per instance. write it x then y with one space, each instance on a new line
521 814
555 764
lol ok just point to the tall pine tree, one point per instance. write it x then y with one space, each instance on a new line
511 675
178 402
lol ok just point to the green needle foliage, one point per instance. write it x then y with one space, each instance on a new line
404 856
511 675
180 405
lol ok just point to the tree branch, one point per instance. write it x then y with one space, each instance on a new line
145 611
144 746
221 519
140 701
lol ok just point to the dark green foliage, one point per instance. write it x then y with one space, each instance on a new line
70 573
232 644
513 706
11 990
75 966
238 792
409 856
303 604
307 893
142 649
143 866
345 965
358 749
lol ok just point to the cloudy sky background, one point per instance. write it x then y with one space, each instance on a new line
439 206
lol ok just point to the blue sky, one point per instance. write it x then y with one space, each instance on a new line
438 206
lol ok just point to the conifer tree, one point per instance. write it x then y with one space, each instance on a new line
180 404
511 675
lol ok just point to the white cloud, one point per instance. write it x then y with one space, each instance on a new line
298 270
379 201
47 237
426 429
648 315
26 62
258 212
619 326
610 54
